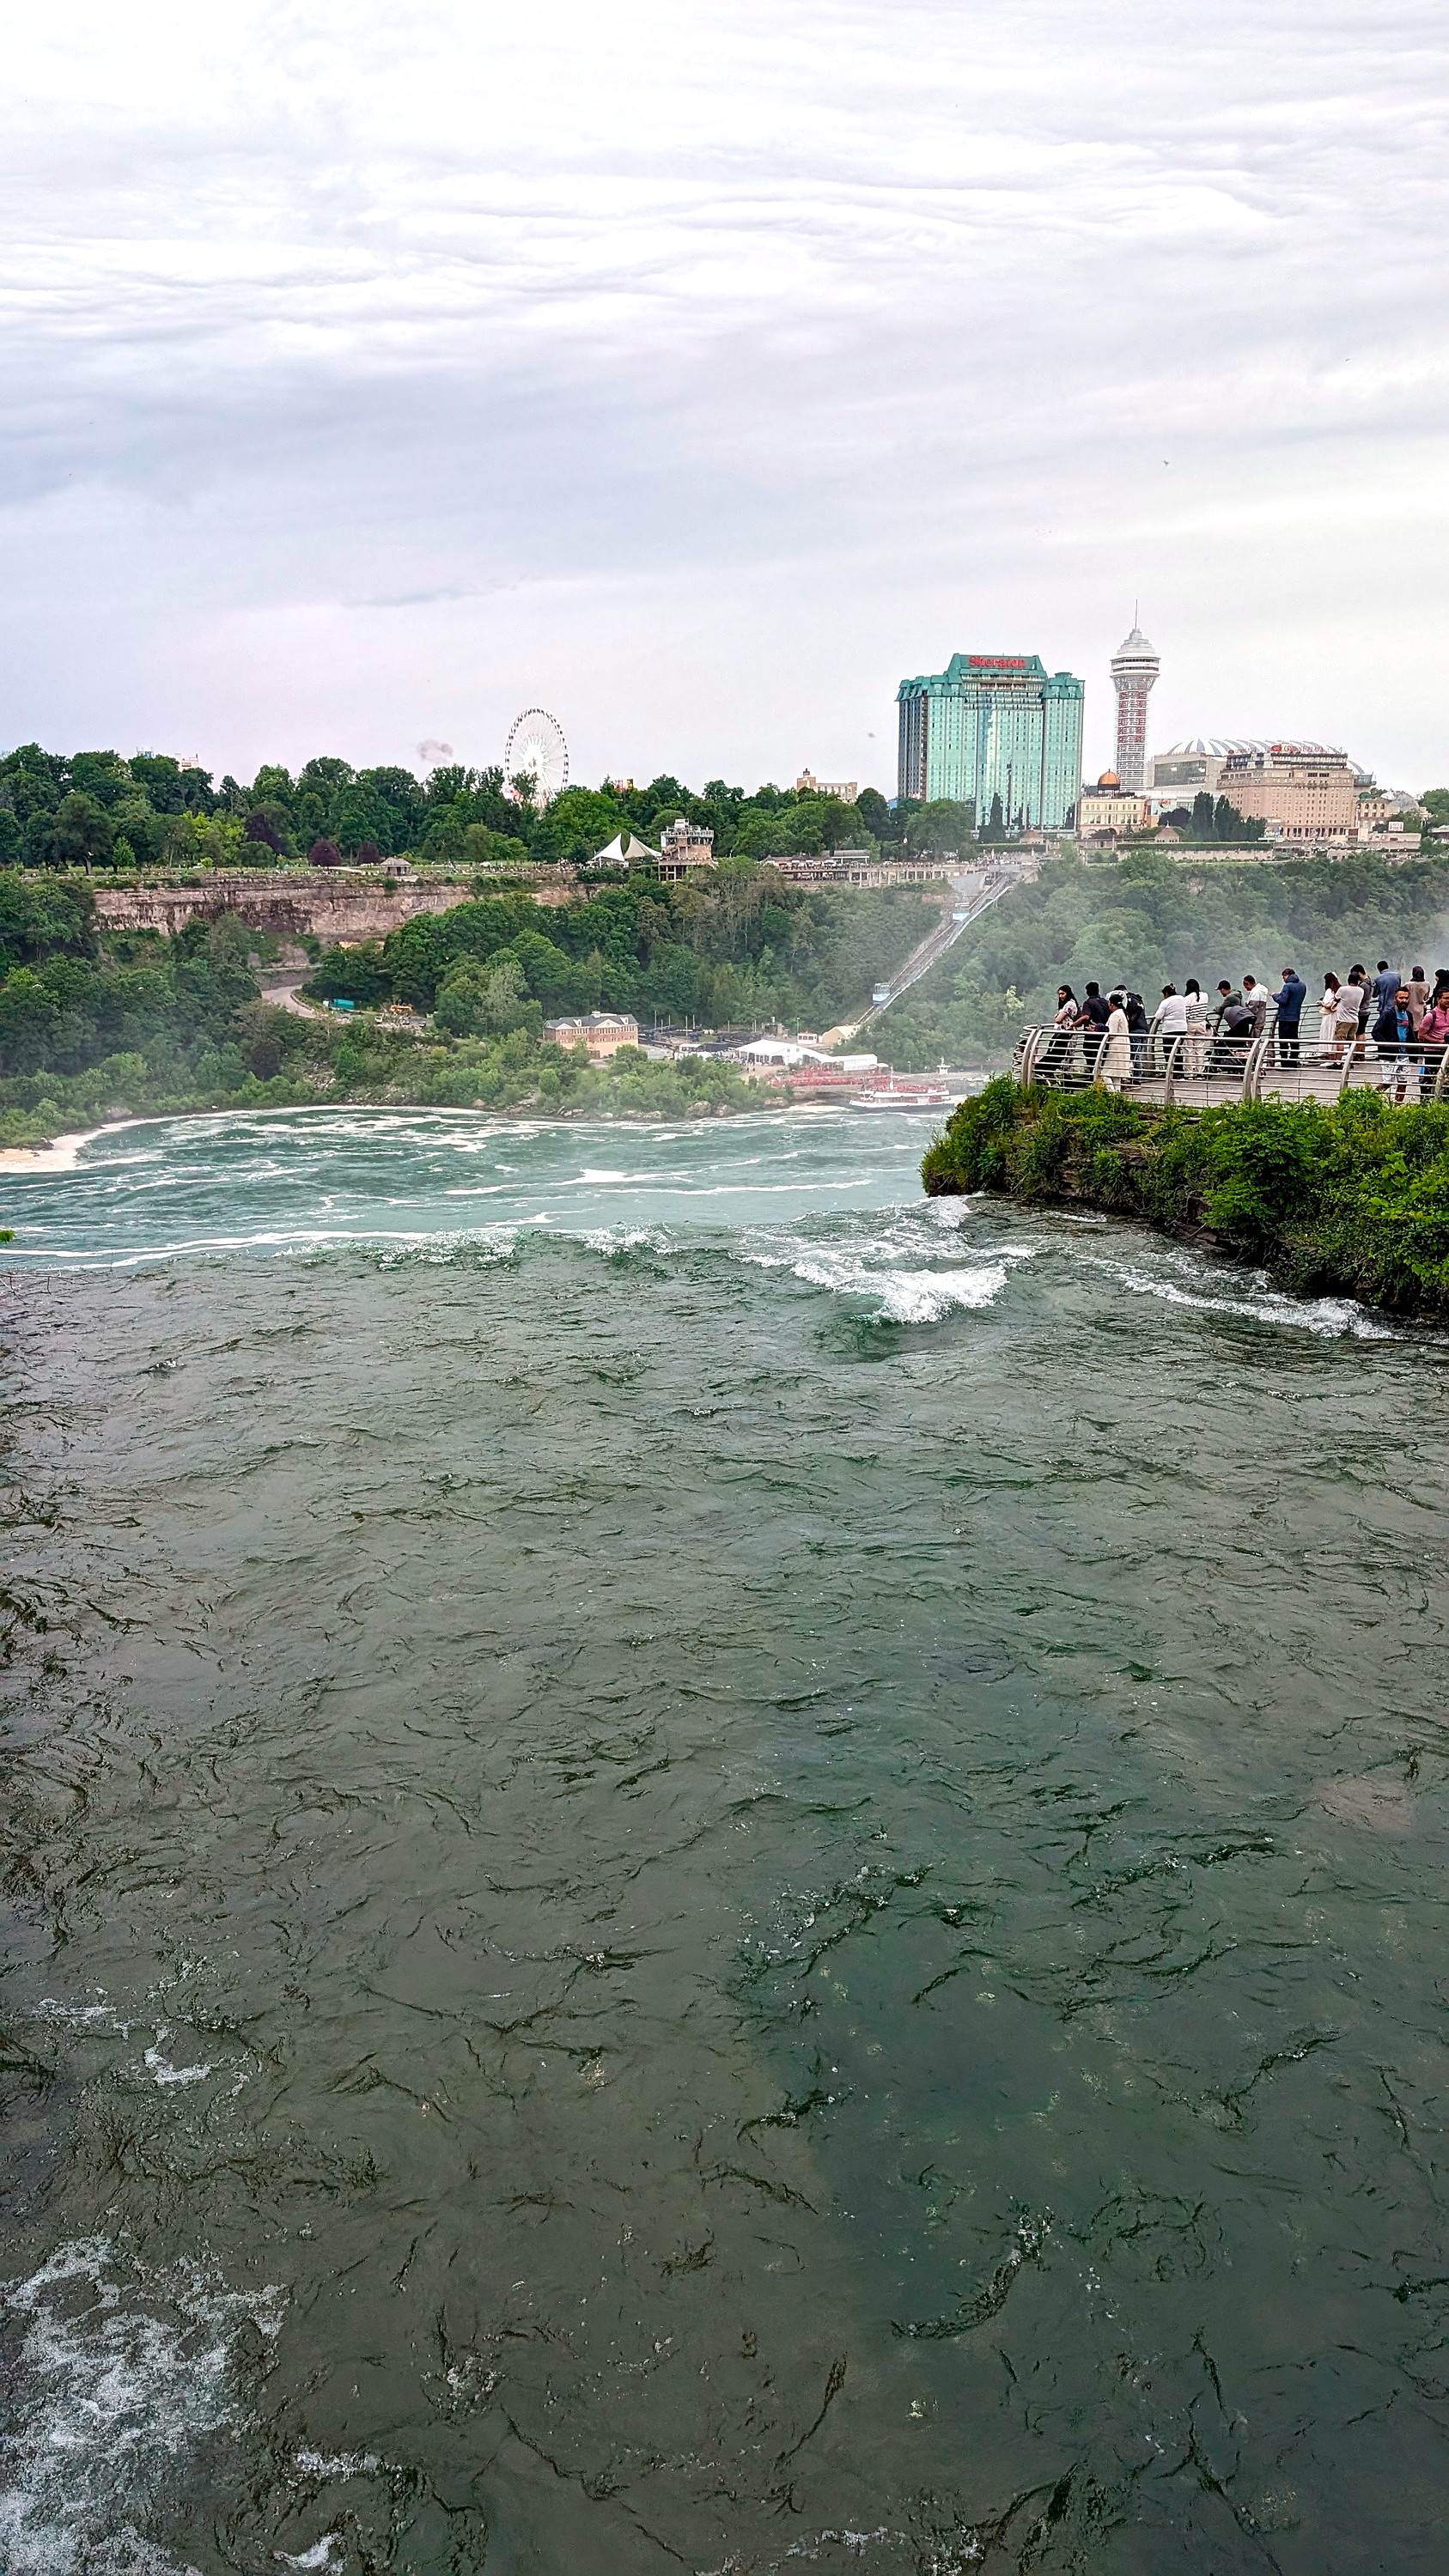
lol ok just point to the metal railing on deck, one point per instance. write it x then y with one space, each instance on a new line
1202 1071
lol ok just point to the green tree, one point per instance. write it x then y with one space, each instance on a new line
103 775
34 780
137 819
876 814
82 832
1230 825
584 821
28 1017
487 1000
944 823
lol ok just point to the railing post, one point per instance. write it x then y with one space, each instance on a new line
1029 1057
1441 1078
1169 1073
1253 1064
1101 1058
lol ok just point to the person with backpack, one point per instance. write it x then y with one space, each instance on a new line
1393 1029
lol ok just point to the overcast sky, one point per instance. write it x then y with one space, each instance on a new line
699 368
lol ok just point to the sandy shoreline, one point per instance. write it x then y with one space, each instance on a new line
63 1152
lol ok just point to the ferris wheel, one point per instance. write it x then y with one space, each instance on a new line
537 750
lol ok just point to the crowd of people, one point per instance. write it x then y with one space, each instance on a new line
1405 1017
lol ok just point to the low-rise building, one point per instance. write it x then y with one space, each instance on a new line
683 847
602 1032
863 868
1110 807
847 789
1192 768
1302 791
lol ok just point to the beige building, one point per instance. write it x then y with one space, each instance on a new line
1110 807
807 784
684 846
602 1032
1303 791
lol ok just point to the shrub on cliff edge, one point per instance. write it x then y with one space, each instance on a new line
1351 1197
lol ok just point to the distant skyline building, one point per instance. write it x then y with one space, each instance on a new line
807 784
1135 666
1186 769
1108 808
683 846
994 724
1302 791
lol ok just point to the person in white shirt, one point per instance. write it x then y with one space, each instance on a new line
1117 1065
1169 1023
1328 1016
1259 1001
1350 1003
1194 1054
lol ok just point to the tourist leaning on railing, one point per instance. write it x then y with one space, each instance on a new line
1232 1030
1256 997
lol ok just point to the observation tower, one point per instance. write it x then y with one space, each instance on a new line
1135 666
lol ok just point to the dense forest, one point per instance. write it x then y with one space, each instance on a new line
94 1023
1153 920
97 810
740 950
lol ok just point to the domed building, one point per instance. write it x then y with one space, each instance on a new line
1108 810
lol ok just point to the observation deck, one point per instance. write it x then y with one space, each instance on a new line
1206 1072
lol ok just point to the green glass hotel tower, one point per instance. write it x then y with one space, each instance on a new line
994 724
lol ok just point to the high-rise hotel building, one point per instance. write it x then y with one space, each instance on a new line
994 724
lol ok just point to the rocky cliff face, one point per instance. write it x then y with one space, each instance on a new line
283 901
287 901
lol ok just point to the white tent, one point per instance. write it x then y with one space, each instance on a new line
789 1051
622 852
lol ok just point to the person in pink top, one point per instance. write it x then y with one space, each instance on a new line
1432 1037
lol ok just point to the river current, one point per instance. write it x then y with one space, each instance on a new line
708 1867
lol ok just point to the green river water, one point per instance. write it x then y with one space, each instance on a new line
708 1867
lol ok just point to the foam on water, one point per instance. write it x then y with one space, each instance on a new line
1332 1317
630 1827
119 2373
906 1296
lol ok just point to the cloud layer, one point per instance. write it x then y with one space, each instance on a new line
699 372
